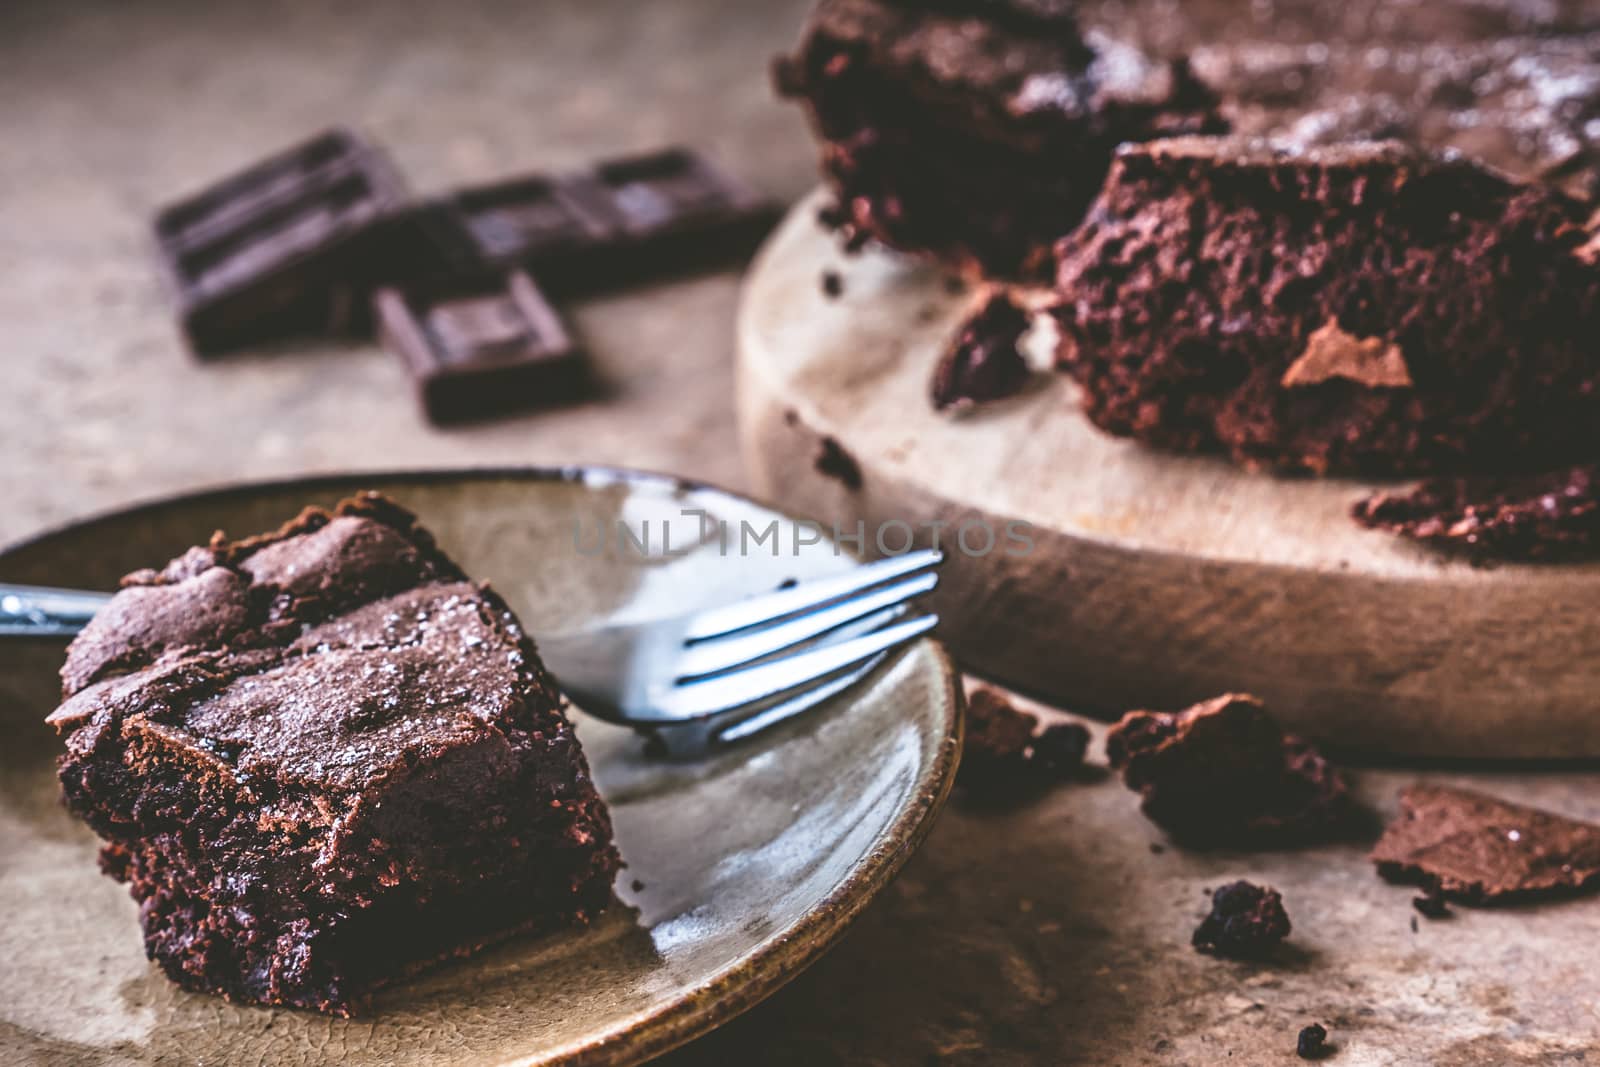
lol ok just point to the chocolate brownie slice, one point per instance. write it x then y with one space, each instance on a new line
1549 516
1525 105
1467 846
322 758
977 132
1361 308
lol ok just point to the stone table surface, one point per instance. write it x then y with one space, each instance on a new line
1053 931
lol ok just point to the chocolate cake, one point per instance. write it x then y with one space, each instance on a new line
1550 516
1362 308
1477 849
1222 773
322 758
1526 105
976 132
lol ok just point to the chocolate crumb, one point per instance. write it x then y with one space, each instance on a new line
1312 1042
1549 516
983 361
1413 924
1246 922
1003 752
998 736
1060 749
832 284
1432 905
1477 849
1156 848
834 462
1224 773
637 885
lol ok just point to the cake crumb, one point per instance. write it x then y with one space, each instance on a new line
1312 1044
1246 922
834 462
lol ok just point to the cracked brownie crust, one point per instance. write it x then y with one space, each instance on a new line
1361 308
322 759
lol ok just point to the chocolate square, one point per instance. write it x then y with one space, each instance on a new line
481 347
535 223
617 223
267 252
675 207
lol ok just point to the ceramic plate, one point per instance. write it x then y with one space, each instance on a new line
741 870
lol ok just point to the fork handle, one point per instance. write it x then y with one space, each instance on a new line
37 611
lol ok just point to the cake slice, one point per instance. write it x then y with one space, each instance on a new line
1361 308
322 759
975 132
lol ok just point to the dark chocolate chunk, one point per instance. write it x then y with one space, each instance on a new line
832 284
268 252
481 348
834 462
541 224
624 220
1224 773
1356 308
983 361
1549 516
1246 922
1477 849
358 769
1311 1044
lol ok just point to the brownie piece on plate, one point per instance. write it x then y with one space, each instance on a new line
1360 308
322 759
976 132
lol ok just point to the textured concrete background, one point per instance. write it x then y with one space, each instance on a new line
1051 932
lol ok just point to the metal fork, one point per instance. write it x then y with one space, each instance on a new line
695 682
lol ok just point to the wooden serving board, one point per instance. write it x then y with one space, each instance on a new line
1153 579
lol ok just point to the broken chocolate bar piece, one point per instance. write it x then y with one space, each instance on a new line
621 221
541 224
1246 922
481 348
1549 516
1224 773
984 360
268 252
1477 849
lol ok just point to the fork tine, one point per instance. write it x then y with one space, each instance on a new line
725 653
724 692
803 701
717 622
